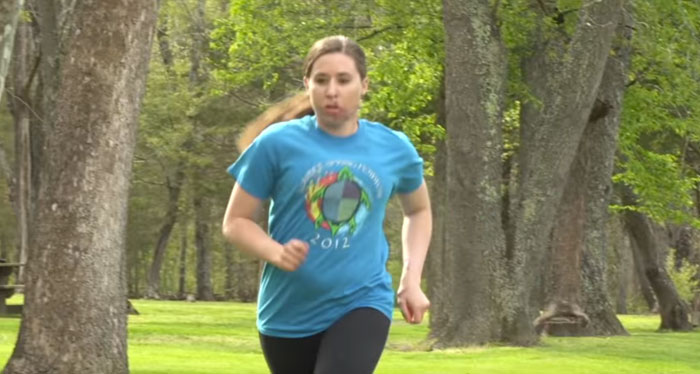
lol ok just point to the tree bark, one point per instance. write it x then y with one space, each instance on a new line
201 202
246 277
475 81
563 75
199 44
229 282
621 268
579 243
644 284
96 57
203 245
21 104
674 311
9 15
174 187
682 242
182 281
436 264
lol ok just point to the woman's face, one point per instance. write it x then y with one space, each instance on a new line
335 89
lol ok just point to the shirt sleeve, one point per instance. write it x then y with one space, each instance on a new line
411 170
254 170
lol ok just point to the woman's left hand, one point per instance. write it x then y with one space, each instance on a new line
413 303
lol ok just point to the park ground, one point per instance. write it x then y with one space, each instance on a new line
177 337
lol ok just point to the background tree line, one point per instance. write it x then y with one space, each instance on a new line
561 140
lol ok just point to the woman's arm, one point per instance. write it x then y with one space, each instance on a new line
239 228
417 228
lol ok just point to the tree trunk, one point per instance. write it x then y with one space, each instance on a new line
96 58
246 277
174 187
9 15
203 244
200 44
644 284
201 202
4 245
682 243
471 256
579 243
621 269
563 75
436 265
182 280
674 311
567 239
21 104
229 282
166 52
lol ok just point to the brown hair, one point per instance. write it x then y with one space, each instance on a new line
299 105
336 44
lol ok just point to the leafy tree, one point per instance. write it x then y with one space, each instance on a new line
660 124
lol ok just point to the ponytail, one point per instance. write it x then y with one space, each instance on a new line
296 106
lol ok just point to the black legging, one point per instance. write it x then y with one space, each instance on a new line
352 345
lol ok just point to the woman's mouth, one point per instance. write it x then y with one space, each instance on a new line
332 109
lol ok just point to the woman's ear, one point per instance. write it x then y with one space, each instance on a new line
306 83
365 85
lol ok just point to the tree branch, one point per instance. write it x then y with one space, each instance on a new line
377 32
20 100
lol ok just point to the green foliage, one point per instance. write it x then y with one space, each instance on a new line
255 57
685 278
664 191
165 116
660 123
185 127
518 20
266 41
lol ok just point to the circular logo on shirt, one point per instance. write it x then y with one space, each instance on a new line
337 202
340 201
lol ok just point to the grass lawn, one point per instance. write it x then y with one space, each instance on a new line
208 338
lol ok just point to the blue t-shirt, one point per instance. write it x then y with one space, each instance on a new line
332 193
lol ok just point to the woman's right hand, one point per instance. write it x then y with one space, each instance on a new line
291 256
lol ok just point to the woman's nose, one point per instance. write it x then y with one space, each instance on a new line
332 88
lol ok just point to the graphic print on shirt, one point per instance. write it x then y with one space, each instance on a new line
337 202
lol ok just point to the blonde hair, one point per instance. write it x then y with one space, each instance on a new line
296 106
